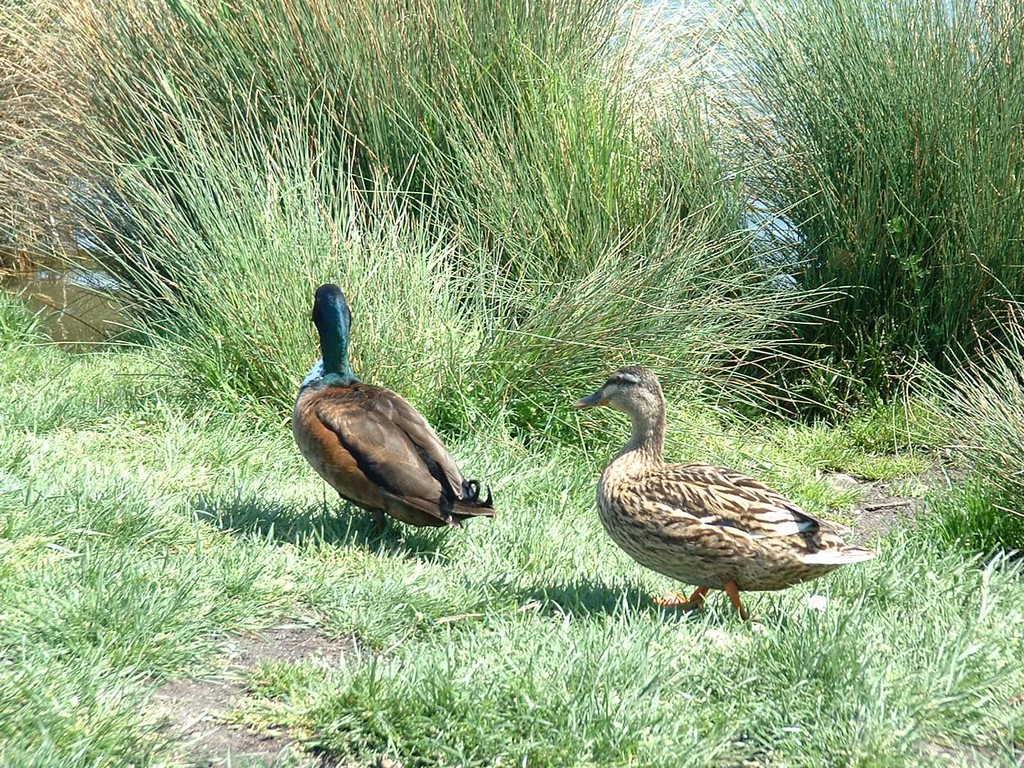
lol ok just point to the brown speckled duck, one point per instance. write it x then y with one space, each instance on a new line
706 526
369 443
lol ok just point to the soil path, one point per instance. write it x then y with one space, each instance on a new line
194 712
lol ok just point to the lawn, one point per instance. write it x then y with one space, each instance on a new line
147 534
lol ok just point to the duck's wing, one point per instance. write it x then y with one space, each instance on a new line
395 410
432 451
701 500
382 448
724 497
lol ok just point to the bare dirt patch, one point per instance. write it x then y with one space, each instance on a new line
970 756
290 643
882 506
887 504
195 712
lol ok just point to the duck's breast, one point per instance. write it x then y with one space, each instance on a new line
656 537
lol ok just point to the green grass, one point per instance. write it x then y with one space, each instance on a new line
889 135
17 323
627 684
976 518
138 525
980 408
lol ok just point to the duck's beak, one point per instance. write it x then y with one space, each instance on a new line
590 401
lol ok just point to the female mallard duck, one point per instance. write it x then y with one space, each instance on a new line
369 443
706 526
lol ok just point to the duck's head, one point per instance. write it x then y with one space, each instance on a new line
632 389
333 320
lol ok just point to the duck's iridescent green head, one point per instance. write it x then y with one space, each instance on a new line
333 320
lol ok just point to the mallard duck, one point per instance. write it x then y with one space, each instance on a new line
706 526
369 443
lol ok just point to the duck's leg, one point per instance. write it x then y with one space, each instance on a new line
734 594
676 600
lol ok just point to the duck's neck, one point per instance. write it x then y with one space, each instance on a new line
333 367
647 440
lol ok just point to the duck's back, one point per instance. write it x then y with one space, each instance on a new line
378 452
708 526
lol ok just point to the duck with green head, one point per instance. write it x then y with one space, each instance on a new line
369 443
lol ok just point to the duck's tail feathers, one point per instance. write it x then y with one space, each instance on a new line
470 504
842 556
471 493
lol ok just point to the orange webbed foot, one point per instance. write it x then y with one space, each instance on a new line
675 600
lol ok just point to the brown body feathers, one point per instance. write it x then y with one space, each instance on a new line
703 525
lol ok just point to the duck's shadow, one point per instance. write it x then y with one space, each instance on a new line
584 598
339 524
589 598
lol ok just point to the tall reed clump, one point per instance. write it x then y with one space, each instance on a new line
508 118
508 211
980 406
891 134
220 270
224 283
30 201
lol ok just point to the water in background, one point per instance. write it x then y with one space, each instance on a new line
76 305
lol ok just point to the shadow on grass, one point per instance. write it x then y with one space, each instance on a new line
588 598
341 525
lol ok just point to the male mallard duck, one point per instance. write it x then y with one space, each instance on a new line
706 526
369 443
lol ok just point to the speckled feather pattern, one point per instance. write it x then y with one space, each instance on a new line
700 524
706 526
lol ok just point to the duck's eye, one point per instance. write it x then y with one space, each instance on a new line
623 379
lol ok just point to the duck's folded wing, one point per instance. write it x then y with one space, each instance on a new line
383 452
400 412
705 495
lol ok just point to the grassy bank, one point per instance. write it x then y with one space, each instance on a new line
140 527
514 209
